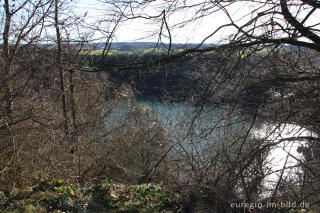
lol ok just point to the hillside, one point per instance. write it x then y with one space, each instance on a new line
56 196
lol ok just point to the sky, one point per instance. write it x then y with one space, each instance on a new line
138 30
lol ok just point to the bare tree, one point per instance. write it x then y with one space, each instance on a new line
22 24
45 110
270 73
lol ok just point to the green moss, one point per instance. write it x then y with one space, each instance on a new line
54 196
142 198
30 209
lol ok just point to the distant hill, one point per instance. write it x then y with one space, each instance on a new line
132 46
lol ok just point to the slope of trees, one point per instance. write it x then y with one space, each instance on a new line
275 43
61 119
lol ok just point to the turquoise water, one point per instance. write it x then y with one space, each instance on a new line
203 132
200 118
194 129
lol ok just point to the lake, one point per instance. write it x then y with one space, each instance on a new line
202 133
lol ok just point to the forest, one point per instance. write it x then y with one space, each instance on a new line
227 123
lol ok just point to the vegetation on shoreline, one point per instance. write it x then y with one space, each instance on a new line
56 196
